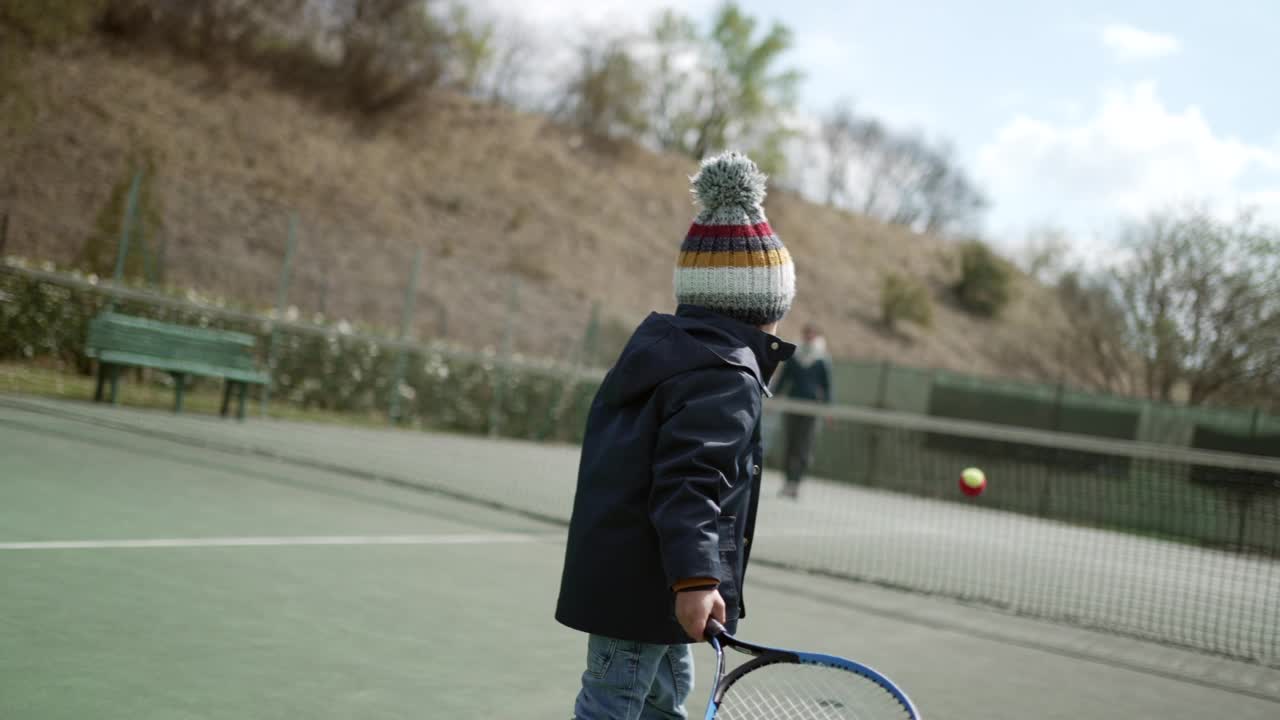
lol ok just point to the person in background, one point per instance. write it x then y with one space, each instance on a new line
806 376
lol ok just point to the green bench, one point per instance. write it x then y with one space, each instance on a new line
119 341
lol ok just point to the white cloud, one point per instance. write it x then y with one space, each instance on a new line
1131 156
1130 43
820 48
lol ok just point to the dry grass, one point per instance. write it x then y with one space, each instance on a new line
489 194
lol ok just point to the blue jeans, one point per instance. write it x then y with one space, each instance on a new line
628 680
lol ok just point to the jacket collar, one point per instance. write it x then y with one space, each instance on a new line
768 351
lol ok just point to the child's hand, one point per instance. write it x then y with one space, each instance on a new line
695 607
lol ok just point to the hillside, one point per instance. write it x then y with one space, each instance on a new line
489 194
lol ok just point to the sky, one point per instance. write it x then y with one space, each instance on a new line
1081 116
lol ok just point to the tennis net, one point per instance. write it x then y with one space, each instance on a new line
1168 544
1165 543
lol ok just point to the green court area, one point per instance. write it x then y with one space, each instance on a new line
174 567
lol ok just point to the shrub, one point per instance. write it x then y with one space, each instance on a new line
904 299
985 281
443 388
48 22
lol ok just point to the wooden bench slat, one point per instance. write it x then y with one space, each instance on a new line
157 327
253 377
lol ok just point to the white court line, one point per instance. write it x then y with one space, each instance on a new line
462 539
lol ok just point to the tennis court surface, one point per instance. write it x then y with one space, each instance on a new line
181 567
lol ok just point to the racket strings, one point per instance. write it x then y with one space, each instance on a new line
808 692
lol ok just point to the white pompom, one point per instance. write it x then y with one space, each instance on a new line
730 179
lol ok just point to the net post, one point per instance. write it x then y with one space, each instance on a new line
282 297
402 355
4 232
504 358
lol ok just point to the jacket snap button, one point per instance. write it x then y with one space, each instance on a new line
755 469
773 346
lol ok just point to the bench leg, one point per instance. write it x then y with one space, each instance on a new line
115 384
226 397
243 390
102 379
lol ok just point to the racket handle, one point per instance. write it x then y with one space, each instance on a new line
714 629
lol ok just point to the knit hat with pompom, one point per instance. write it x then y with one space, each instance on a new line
731 262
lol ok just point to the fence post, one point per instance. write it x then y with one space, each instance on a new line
564 390
324 295
872 467
590 343
4 232
1058 392
162 253
402 356
442 321
126 230
882 387
504 358
282 297
580 355
140 245
591 336
1257 420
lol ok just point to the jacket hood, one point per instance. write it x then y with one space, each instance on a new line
694 338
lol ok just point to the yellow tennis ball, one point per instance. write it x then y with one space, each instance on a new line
972 481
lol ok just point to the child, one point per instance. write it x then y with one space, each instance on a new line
669 477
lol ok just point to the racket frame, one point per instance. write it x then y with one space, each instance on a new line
763 655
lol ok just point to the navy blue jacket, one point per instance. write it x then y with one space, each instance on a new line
669 477
806 383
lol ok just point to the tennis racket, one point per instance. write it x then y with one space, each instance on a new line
789 685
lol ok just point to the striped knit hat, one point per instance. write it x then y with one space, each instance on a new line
731 261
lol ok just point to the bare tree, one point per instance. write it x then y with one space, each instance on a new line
950 200
1202 303
391 50
605 94
507 73
1096 342
837 137
1044 253
901 179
